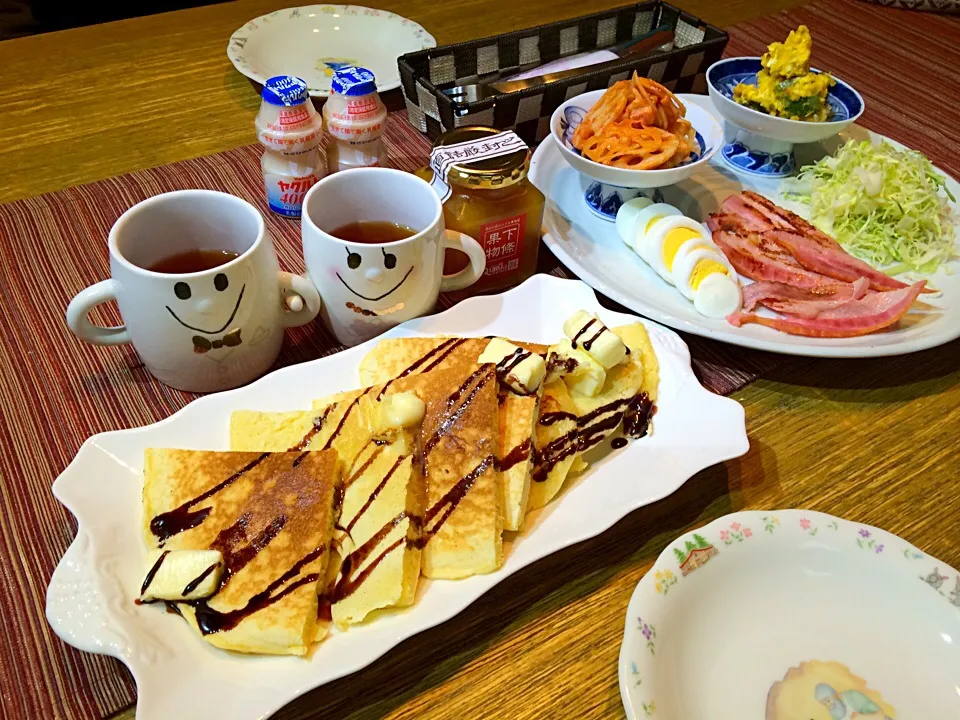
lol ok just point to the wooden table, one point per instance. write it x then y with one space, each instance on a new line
873 441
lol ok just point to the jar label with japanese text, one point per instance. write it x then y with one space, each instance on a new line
502 242
285 193
443 157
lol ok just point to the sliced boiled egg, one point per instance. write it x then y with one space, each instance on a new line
667 237
644 223
627 217
705 276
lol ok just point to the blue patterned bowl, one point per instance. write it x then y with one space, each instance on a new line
764 144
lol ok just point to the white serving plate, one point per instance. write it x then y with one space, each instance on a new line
590 247
90 597
300 41
767 591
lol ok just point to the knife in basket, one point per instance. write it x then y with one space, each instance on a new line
631 49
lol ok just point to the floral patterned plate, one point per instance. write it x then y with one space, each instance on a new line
792 615
311 41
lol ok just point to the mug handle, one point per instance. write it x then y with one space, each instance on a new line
478 261
85 301
301 299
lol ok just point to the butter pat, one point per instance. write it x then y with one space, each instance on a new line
581 373
181 574
399 410
520 370
587 332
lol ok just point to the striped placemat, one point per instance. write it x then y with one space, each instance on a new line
56 391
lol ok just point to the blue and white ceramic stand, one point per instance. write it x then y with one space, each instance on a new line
762 144
606 188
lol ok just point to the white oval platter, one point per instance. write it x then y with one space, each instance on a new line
589 246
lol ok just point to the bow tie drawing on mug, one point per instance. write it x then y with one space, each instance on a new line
203 302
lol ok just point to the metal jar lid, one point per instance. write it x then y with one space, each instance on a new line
488 173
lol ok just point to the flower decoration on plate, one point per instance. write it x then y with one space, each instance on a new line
776 101
643 146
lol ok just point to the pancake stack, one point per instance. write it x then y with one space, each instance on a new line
450 442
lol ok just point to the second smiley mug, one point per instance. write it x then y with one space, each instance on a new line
368 288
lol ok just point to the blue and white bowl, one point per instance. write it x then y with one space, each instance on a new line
570 114
763 145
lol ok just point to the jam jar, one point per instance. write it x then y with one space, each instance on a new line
491 200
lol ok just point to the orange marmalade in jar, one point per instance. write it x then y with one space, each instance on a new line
486 195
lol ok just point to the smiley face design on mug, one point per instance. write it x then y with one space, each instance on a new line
378 279
210 307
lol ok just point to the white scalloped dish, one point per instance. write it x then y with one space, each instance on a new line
90 598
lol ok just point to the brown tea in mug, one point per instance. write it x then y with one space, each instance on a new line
373 232
193 261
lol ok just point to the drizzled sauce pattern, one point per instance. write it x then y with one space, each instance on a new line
211 621
195 583
317 427
591 428
152 572
166 525
581 331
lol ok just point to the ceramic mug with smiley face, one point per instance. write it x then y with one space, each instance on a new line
205 330
369 288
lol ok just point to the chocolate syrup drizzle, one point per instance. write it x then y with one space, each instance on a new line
378 448
563 363
211 621
587 344
438 355
317 427
195 583
581 331
481 377
237 551
376 491
520 453
152 572
166 525
348 581
591 428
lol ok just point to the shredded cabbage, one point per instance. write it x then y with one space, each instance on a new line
882 204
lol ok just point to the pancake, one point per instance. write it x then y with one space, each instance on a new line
463 520
383 500
558 420
576 423
601 415
402 357
272 517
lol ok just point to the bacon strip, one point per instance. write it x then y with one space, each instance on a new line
788 220
790 300
759 260
833 263
873 312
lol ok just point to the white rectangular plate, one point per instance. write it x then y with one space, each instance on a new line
90 597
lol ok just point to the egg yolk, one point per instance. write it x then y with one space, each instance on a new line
704 268
672 242
653 221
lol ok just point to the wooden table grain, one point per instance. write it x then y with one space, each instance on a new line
873 441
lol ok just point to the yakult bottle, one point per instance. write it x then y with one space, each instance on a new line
354 117
290 130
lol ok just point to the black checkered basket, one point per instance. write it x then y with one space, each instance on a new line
682 69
